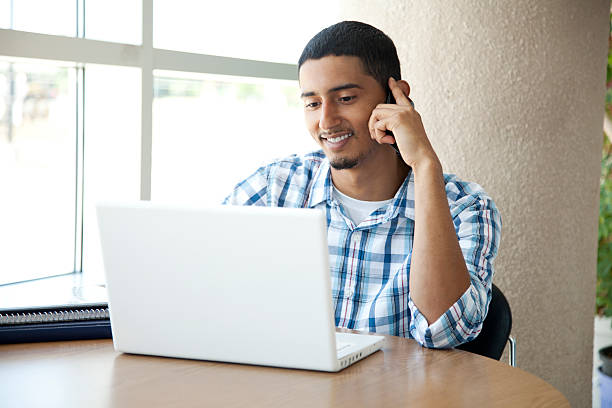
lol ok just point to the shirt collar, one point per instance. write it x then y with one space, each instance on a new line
403 201
322 188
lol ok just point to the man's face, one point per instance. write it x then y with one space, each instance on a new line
338 100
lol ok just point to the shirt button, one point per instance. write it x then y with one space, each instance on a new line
350 293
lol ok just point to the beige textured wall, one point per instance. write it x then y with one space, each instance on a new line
511 94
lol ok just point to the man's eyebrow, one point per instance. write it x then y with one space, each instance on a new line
334 89
345 86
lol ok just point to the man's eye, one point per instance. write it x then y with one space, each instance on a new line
311 105
346 98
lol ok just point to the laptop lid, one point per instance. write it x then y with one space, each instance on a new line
226 283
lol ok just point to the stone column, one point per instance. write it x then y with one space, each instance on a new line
511 94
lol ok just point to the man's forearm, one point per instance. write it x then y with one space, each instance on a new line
438 274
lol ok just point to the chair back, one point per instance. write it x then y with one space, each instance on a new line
495 329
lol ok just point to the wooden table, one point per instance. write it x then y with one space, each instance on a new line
91 374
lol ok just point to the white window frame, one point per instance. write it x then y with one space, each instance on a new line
79 50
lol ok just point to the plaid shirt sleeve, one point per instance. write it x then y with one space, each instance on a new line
478 227
251 191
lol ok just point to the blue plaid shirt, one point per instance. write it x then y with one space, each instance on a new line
370 262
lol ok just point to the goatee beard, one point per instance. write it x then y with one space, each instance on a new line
343 163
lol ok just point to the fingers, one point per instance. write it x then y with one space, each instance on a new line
378 130
387 139
398 93
388 116
383 120
372 126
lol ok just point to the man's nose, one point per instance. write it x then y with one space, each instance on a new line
329 116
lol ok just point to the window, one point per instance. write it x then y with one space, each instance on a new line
146 107
210 123
272 30
37 169
111 168
40 16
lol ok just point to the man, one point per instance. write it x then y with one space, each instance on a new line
401 262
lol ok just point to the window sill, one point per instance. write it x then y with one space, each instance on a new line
72 289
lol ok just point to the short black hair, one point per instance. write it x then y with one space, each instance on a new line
353 38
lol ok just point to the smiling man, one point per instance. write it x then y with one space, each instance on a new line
411 249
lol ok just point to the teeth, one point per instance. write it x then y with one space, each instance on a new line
339 138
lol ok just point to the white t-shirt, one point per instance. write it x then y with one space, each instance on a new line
358 210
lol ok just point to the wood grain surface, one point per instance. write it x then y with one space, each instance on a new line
91 374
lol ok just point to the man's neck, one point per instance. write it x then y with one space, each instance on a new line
375 179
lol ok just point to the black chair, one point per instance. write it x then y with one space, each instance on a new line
495 331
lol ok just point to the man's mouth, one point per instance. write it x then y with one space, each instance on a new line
337 139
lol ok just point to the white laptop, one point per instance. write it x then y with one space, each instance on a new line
244 285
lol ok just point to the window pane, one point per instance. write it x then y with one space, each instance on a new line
5 13
114 20
112 150
37 170
58 17
275 30
210 133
